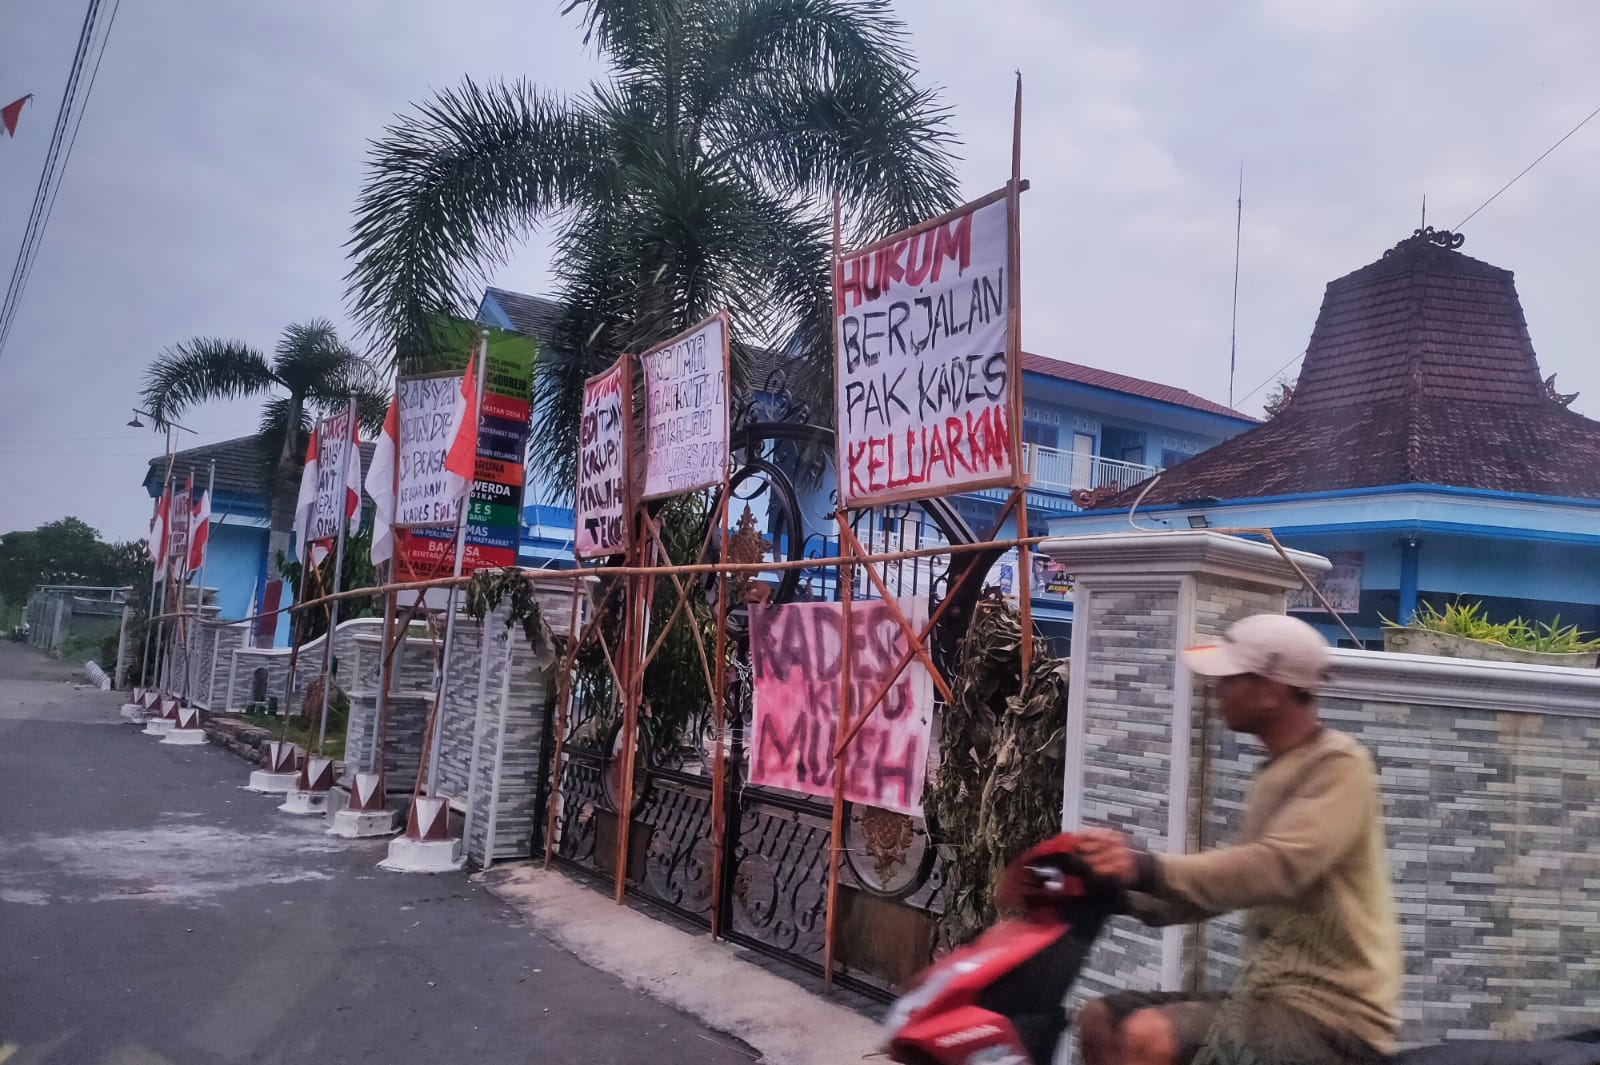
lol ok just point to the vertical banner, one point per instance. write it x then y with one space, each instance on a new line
424 526
686 410
335 444
605 442
924 375
794 652
179 517
427 426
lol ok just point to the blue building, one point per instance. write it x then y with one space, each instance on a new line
1424 451
236 551
1087 434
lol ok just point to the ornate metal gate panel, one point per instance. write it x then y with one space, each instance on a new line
777 842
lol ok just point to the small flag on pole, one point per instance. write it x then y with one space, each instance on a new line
158 526
380 484
11 112
461 461
199 530
303 506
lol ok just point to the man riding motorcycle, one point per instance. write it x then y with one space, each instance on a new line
1320 982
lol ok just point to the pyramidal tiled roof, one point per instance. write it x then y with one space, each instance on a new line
1419 371
239 466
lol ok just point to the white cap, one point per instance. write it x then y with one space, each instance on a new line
1274 646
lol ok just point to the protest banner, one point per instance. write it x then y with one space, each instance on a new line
605 444
795 655
335 442
424 526
178 521
686 410
925 372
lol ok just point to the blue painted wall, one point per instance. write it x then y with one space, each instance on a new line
234 557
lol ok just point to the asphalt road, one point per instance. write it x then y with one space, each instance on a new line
152 912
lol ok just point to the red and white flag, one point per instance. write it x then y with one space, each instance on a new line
303 505
461 461
158 526
352 479
380 484
199 531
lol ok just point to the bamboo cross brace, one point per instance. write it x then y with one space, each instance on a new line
917 647
681 607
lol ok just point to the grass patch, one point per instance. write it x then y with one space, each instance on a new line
332 747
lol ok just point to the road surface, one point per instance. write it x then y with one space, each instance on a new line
152 912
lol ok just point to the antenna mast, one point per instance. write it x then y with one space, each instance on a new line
1233 338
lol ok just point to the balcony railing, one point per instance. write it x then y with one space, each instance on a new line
1054 470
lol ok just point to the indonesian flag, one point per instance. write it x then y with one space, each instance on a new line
199 530
461 461
158 526
303 506
11 112
380 484
352 479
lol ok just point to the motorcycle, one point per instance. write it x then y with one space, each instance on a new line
1000 999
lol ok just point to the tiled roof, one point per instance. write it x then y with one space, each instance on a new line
532 316
1133 386
1419 371
238 462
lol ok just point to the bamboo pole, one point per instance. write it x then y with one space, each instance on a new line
719 711
633 665
836 834
913 642
1014 347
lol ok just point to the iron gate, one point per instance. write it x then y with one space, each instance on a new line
777 842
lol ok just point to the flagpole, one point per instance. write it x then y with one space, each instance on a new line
461 550
150 612
211 487
161 566
338 573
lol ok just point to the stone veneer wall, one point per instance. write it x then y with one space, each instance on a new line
1131 626
1492 808
275 660
1487 777
410 699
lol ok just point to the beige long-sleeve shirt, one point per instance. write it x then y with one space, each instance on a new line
1311 870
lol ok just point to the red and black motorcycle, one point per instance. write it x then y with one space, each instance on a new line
999 1000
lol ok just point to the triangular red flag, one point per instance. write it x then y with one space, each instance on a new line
11 112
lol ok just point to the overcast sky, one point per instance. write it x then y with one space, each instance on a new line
211 185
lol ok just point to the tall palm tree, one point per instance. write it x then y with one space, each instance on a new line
311 372
697 176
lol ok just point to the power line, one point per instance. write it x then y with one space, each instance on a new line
1527 168
55 163
1272 376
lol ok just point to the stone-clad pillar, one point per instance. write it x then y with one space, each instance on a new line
1136 725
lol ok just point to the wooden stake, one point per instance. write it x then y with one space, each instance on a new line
633 662
836 835
1014 346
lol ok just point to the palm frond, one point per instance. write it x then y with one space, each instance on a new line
204 368
450 189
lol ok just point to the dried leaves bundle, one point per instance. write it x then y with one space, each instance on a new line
999 786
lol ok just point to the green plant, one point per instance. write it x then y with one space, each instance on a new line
1471 620
998 789
692 176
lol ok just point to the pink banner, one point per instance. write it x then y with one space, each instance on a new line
794 650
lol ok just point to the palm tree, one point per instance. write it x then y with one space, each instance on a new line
311 372
695 177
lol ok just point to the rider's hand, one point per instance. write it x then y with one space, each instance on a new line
1108 854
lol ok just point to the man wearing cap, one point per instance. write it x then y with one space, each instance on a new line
1320 980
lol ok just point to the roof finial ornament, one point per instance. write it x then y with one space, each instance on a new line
1560 399
1428 235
